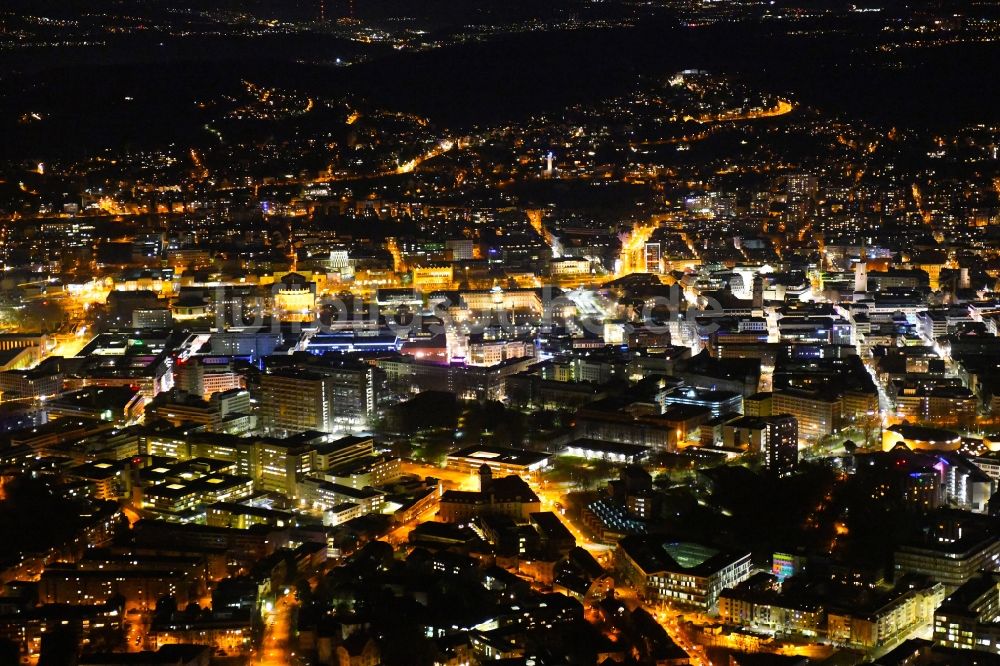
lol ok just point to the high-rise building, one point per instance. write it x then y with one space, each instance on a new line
294 400
774 438
861 274
817 414
328 398
205 375
354 394
653 258
780 446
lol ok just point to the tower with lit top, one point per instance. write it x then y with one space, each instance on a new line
861 276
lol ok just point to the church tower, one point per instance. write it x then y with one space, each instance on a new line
485 478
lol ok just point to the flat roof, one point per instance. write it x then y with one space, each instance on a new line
608 447
500 455
658 553
923 433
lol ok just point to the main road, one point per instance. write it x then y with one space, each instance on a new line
276 648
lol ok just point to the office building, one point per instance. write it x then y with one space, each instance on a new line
684 574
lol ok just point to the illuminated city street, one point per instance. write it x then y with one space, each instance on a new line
276 646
